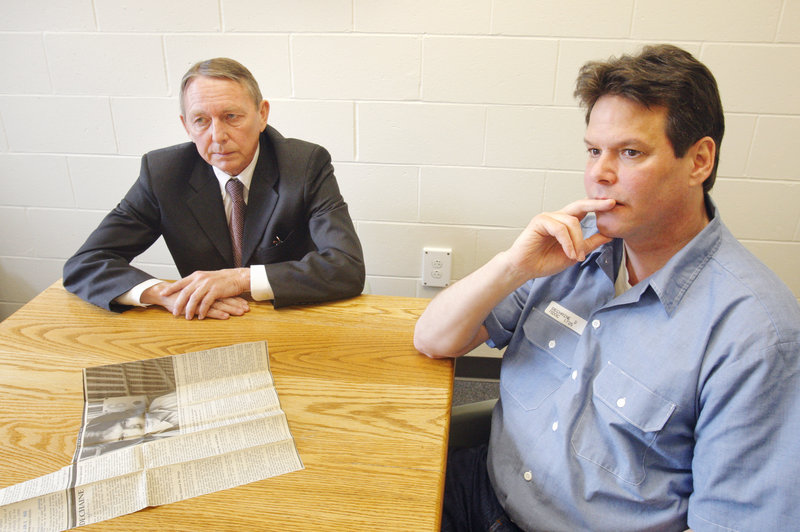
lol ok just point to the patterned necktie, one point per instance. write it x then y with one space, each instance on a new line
235 188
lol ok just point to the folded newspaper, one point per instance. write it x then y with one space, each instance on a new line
159 431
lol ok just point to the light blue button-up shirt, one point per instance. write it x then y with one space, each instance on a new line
675 403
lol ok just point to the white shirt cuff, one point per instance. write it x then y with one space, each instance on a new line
133 297
260 289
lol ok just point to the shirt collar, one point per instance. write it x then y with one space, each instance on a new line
672 280
246 177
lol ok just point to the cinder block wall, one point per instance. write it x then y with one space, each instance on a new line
451 122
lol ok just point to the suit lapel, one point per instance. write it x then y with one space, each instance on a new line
205 202
262 198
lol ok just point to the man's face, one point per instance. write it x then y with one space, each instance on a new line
631 161
223 122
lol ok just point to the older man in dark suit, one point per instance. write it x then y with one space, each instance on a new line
295 241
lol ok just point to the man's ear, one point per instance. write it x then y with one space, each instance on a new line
703 152
263 112
185 127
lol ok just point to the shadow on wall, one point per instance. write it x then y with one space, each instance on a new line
15 291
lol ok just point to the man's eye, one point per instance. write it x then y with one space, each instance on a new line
629 153
593 152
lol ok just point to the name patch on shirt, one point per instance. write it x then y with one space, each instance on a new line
565 317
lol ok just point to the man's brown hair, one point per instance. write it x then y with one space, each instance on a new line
661 76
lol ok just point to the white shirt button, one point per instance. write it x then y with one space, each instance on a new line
574 374
596 323
621 402
552 344
555 426
528 476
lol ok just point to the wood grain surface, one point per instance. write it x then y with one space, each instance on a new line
368 412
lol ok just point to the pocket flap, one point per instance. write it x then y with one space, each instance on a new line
631 400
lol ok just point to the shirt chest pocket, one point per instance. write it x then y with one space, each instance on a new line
620 424
541 362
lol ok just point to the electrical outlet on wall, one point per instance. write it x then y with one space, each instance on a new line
436 266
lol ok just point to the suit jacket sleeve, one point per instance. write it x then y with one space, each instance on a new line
100 270
334 266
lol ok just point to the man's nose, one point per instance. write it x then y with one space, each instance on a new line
219 132
602 169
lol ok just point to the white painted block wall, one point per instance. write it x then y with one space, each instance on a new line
451 122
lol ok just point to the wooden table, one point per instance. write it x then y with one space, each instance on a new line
369 413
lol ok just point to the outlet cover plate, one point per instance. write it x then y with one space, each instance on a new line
436 266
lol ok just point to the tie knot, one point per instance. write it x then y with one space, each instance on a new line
234 187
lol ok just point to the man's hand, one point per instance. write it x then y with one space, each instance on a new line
198 292
212 294
553 241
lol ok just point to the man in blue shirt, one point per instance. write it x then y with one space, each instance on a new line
651 379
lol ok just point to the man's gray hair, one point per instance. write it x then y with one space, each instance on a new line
221 68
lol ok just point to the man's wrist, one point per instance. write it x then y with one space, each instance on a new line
508 272
152 295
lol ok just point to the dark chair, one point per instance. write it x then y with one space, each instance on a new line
470 424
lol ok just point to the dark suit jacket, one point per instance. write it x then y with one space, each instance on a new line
297 225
